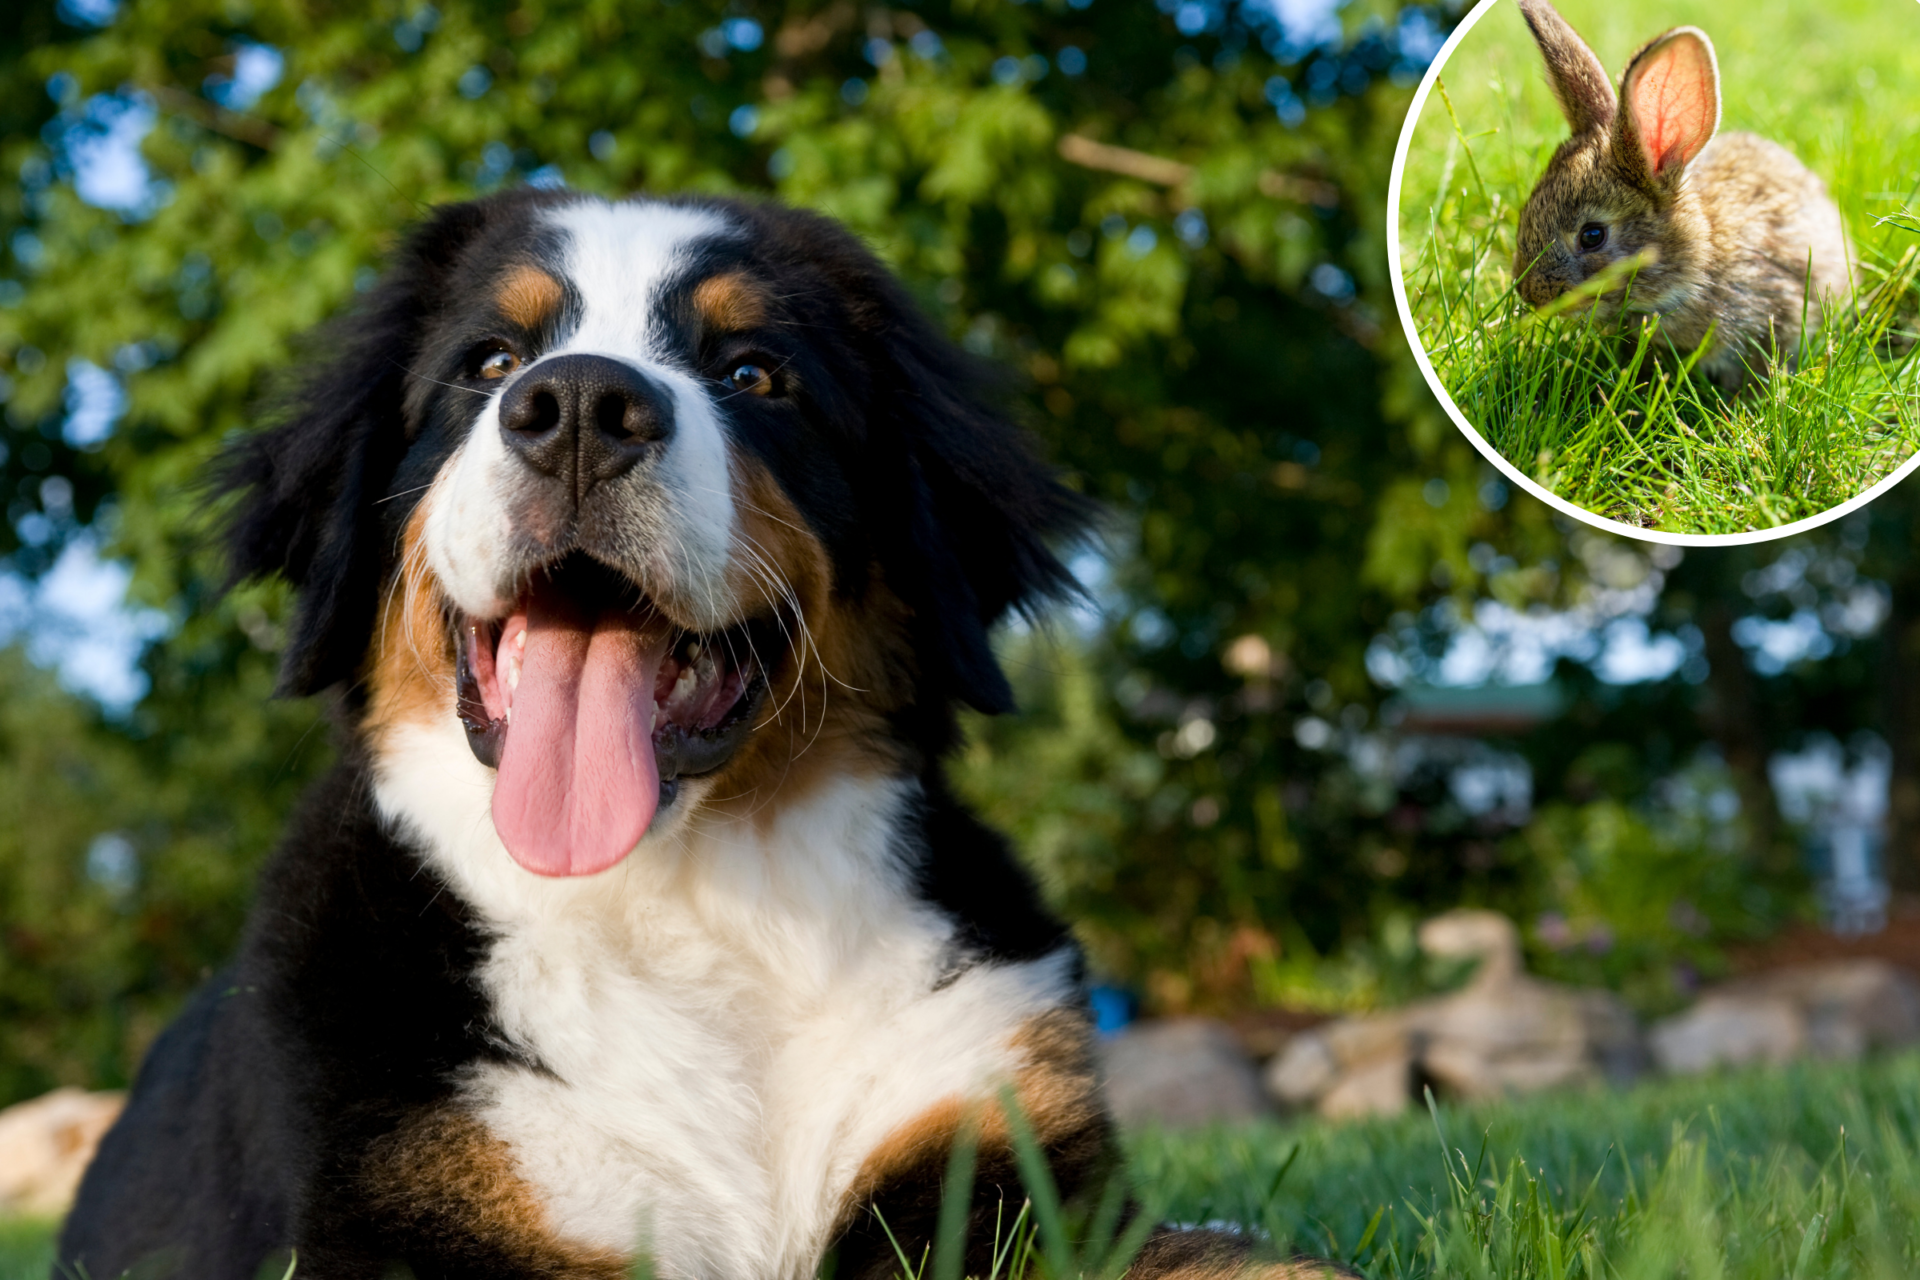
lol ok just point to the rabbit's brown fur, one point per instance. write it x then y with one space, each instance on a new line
1730 227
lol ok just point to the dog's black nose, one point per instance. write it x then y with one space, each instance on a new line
584 419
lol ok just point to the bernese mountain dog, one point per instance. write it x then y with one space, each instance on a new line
649 547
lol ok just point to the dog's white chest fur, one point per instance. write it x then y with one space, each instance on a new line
725 1024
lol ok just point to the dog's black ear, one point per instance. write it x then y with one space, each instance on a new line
983 511
945 463
972 514
305 490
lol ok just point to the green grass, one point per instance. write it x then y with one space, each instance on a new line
1772 1174
26 1249
1624 434
1808 1171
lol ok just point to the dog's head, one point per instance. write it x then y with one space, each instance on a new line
670 503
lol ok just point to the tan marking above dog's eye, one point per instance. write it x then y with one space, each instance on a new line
731 302
752 379
529 296
499 365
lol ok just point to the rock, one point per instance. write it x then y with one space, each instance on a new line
1357 1041
1503 1033
1467 934
1511 1036
1316 1062
1382 1087
1614 1038
1302 1071
1729 1031
1265 1033
45 1145
1831 1009
1180 1071
1851 1005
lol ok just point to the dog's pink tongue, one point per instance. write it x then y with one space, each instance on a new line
578 782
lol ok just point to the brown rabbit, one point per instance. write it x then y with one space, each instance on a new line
1733 224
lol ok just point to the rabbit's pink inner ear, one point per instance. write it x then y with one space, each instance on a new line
1673 94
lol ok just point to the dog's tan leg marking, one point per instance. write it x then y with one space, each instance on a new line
448 1179
1056 1089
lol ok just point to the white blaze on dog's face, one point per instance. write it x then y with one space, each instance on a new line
668 504
602 445
656 487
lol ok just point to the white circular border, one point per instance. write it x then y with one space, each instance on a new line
1491 454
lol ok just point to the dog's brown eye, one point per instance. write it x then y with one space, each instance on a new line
1592 236
752 379
499 365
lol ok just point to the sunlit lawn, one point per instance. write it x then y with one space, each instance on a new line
1643 444
1773 1174
26 1250
1769 1174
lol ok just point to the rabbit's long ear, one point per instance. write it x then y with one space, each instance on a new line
1575 74
1669 106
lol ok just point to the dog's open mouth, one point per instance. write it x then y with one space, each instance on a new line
592 706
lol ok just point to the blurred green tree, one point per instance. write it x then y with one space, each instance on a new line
1165 218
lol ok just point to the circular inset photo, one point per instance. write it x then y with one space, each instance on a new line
1660 257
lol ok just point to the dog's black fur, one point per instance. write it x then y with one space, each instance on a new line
317 1098
349 1008
352 1005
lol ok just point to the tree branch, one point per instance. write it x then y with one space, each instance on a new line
251 130
1162 172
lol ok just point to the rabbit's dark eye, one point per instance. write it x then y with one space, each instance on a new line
1592 236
